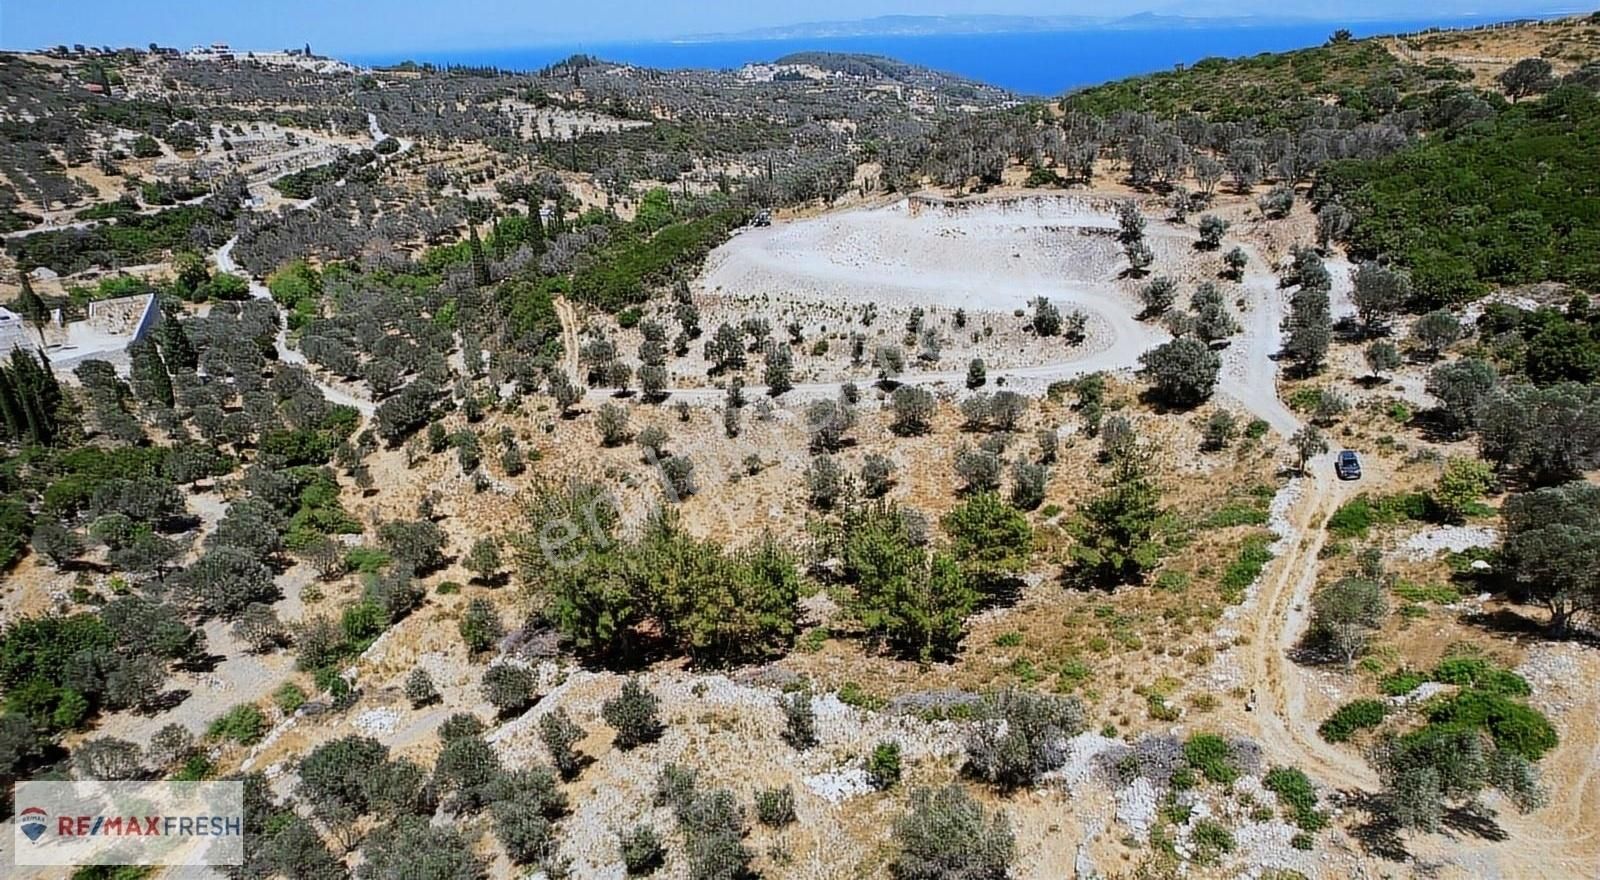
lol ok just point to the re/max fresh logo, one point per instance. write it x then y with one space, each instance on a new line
34 822
106 822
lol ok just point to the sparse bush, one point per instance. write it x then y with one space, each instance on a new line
642 851
508 688
635 713
877 475
948 835
775 806
1021 737
883 765
419 689
913 410
826 482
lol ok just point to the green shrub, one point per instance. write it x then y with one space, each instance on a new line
883 765
195 769
1358 515
1294 791
1073 673
289 697
1210 841
1237 512
1515 726
1481 673
367 560
1351 717
1173 581
1246 567
1211 755
1400 683
1438 594
244 724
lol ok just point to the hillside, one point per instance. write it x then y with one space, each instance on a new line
821 469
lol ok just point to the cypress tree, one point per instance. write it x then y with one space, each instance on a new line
176 349
480 266
32 307
36 396
151 381
10 406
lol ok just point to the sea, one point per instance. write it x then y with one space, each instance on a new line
1035 63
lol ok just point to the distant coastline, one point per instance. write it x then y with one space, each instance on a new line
1029 63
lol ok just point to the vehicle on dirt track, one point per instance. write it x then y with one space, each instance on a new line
762 218
1348 465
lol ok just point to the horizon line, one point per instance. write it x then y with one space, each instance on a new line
767 35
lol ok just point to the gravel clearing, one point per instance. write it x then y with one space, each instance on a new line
1136 806
1429 543
1082 750
375 722
840 785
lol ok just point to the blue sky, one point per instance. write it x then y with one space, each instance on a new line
357 26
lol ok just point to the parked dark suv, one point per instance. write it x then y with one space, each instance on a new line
1348 465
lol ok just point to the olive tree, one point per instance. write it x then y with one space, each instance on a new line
1435 332
480 626
1379 292
1382 357
1551 546
419 690
913 410
1212 228
1344 615
560 734
1182 372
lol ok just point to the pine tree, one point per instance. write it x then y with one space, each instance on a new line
1117 541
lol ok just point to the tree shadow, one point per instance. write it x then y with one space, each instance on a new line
201 662
1508 621
1379 834
1349 329
1475 820
1164 407
166 702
